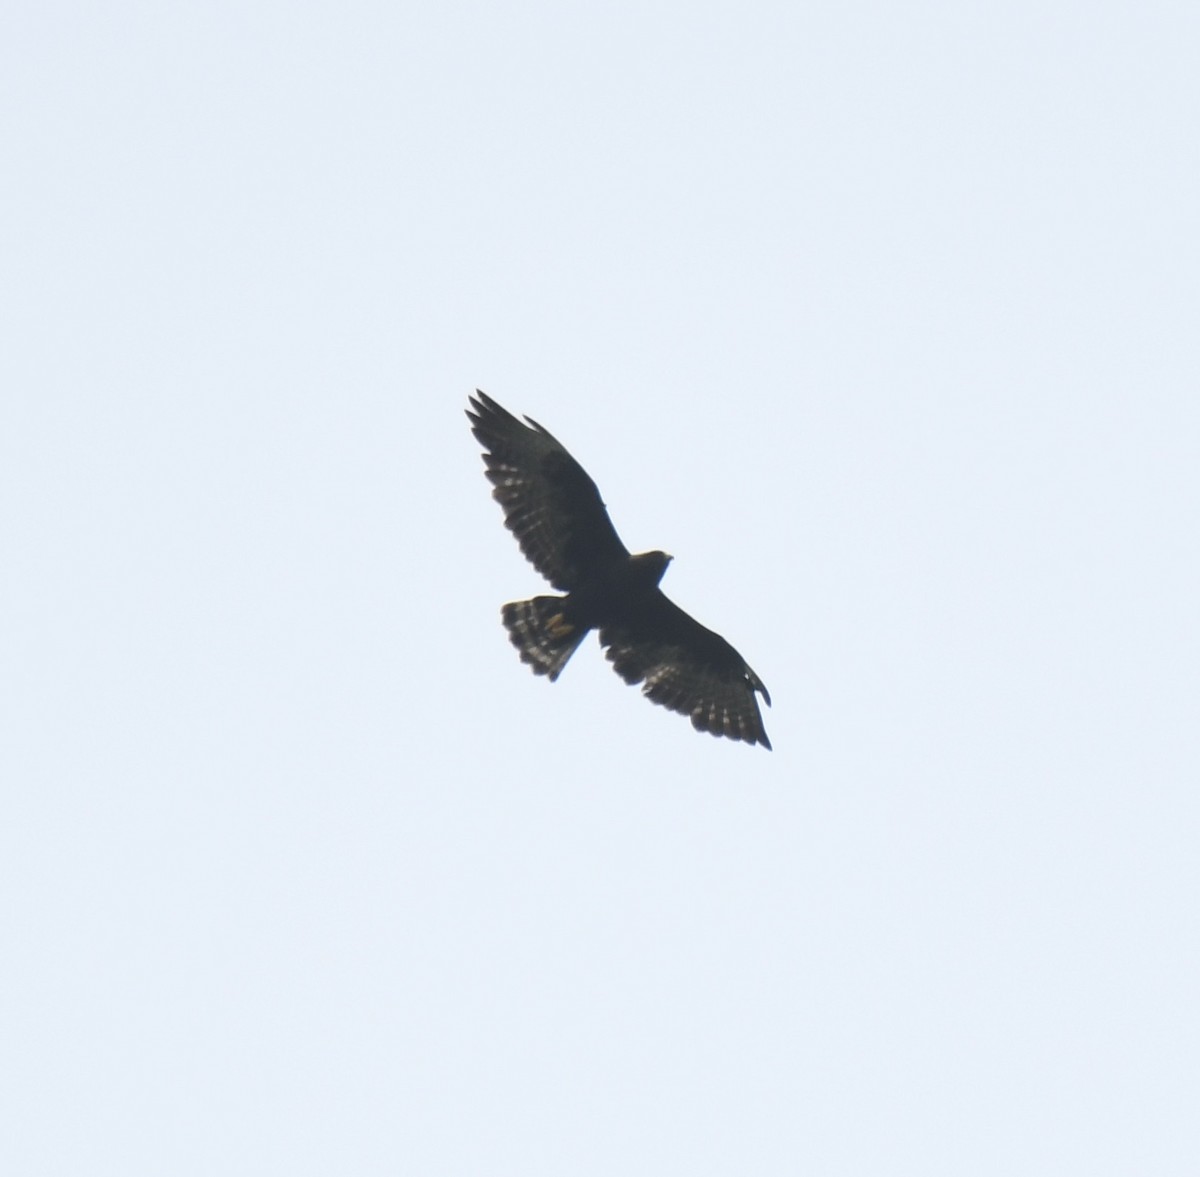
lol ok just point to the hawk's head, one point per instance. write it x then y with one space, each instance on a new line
650 565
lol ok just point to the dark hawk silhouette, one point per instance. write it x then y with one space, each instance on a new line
555 511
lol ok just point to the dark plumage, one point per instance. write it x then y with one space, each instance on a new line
555 511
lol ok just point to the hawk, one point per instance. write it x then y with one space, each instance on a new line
555 511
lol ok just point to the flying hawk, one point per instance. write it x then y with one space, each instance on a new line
555 511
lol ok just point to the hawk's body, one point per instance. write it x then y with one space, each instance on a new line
555 511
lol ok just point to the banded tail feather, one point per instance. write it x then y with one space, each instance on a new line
544 638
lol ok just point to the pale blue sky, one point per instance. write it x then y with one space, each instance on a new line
882 318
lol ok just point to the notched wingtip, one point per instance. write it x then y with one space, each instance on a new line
481 403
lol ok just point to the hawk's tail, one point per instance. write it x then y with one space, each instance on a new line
542 635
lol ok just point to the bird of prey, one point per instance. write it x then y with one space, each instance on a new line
555 511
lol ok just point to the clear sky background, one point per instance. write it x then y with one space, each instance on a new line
882 318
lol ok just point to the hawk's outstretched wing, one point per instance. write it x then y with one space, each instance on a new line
688 669
550 504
